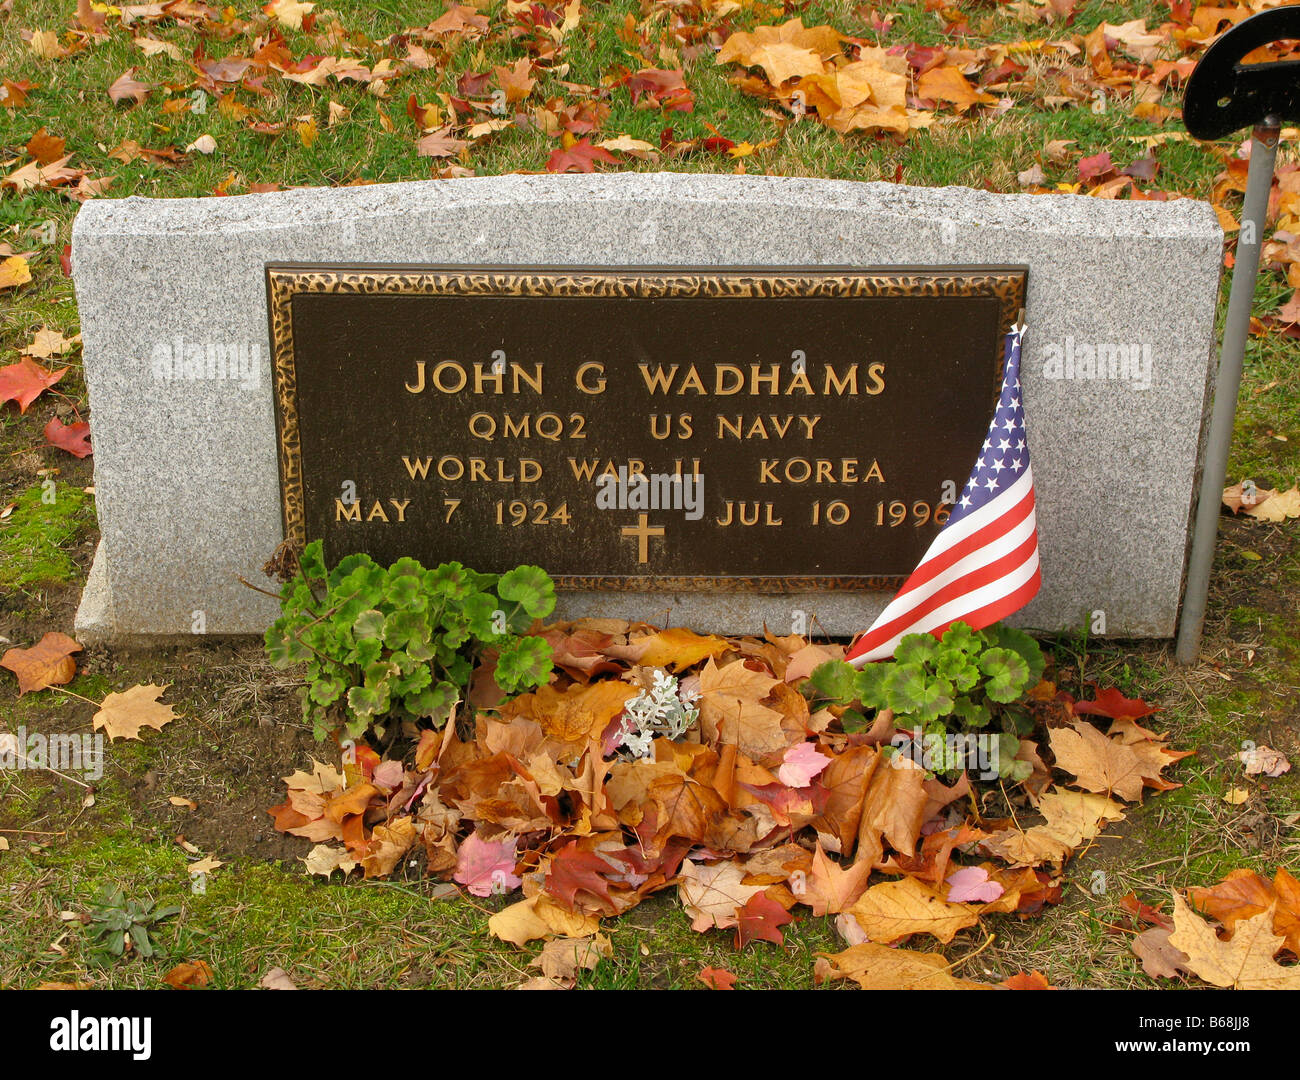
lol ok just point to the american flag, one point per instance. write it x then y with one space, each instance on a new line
983 565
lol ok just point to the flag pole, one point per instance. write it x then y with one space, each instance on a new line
1236 329
1225 95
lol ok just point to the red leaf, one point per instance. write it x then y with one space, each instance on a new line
666 89
580 157
25 381
1110 702
1096 167
761 918
65 260
574 871
74 438
717 978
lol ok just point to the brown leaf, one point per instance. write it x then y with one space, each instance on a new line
713 895
1099 764
190 975
277 979
562 958
1243 962
388 844
574 715
123 715
1071 817
730 711
47 663
440 143
45 147
127 86
829 887
1160 959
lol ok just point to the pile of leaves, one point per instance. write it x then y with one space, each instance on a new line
750 803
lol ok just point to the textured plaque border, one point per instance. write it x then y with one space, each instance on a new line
286 280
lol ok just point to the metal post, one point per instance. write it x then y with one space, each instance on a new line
1236 329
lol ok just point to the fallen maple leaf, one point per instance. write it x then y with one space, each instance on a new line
206 865
972 884
538 917
276 979
878 967
387 845
47 343
288 13
717 978
14 271
562 958
516 80
730 711
45 147
761 919
25 381
1071 817
1103 765
712 895
188 975
324 860
829 888
675 648
1160 959
1244 894
127 86
74 438
580 157
47 663
575 871
123 715
486 867
1243 962
440 143
894 910
947 83
800 764
1264 761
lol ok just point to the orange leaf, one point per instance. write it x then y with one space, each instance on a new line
47 663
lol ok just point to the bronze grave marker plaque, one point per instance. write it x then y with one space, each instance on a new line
797 428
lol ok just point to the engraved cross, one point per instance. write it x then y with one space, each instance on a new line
643 530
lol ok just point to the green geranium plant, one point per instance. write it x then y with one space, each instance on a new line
402 642
968 680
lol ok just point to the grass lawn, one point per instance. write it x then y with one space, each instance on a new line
1051 106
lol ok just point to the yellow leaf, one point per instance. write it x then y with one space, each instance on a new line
123 715
14 271
1243 962
878 967
894 910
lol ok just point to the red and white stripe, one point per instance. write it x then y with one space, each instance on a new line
977 571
